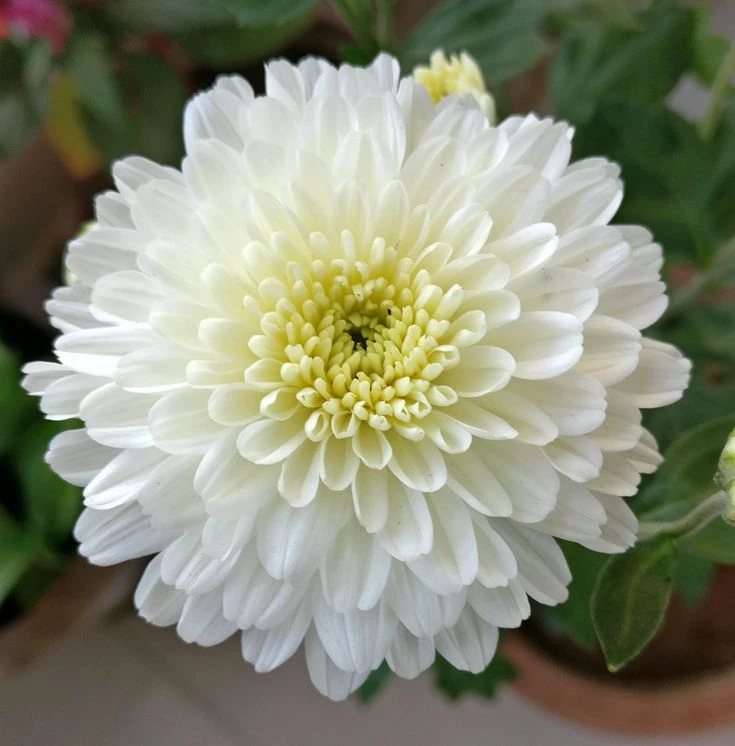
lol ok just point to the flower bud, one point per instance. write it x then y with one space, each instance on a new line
726 476
455 74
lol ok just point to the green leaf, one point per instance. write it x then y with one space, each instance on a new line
169 16
266 12
708 49
502 35
631 598
670 175
374 683
227 46
51 505
692 577
455 683
18 549
15 405
715 542
690 463
89 62
574 617
603 62
25 67
702 401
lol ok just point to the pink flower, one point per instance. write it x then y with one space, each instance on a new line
45 19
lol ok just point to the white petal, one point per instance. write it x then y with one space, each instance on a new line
544 344
355 570
452 562
356 640
330 680
180 422
268 649
292 541
482 369
63 396
542 568
611 349
578 458
269 441
120 481
503 607
202 620
420 610
107 537
409 656
470 644
158 603
408 531
118 418
419 465
619 532
230 486
75 457
660 378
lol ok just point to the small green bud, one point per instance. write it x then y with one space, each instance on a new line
725 477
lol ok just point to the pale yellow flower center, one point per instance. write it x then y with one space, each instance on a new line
363 341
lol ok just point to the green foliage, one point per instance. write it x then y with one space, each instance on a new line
37 508
708 49
227 46
18 549
603 62
503 35
374 683
715 542
573 617
25 65
631 598
266 12
691 460
692 576
456 684
671 175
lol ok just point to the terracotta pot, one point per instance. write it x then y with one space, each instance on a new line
82 597
685 681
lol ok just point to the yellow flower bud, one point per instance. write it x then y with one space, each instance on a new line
455 74
726 476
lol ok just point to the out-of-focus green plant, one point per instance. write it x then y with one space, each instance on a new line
37 508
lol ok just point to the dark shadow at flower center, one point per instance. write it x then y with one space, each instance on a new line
357 337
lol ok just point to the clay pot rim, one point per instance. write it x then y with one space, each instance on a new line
692 703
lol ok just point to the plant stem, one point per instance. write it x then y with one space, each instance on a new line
721 261
711 118
693 522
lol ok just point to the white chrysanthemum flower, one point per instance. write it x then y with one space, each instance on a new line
350 371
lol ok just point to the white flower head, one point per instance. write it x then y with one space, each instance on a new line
349 371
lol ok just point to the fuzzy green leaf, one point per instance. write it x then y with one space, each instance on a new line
630 599
502 35
265 12
17 551
715 542
602 62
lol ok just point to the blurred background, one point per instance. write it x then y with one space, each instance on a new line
84 82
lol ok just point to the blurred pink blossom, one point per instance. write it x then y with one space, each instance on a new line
45 19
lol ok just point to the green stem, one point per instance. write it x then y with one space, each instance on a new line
711 118
693 522
721 262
